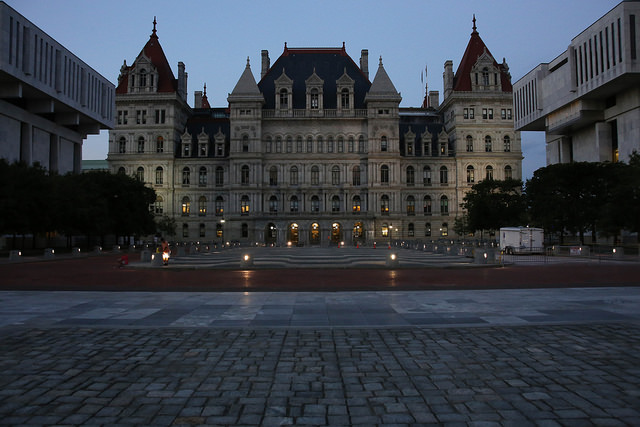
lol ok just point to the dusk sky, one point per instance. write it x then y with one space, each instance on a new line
214 38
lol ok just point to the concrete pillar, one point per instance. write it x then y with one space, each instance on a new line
26 143
54 152
604 142
77 158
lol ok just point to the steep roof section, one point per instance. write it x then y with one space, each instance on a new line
329 64
382 87
153 51
246 88
475 48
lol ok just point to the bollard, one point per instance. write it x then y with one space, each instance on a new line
156 259
145 255
49 253
618 253
14 255
75 252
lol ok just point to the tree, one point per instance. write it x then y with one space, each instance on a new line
492 204
167 226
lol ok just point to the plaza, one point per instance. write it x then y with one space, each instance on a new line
466 353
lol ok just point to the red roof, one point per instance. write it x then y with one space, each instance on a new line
152 50
475 48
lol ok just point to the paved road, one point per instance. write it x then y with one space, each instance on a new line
564 354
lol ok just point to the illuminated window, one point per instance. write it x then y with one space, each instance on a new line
244 205
384 205
140 174
470 175
159 205
411 206
219 206
186 206
356 204
444 231
202 206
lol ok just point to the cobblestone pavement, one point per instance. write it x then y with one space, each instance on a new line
525 375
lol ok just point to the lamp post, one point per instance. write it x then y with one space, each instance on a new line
221 233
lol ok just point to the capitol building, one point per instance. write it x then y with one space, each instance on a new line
314 148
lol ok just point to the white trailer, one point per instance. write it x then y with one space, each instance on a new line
521 240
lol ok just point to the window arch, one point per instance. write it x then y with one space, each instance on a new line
273 175
488 145
293 204
245 144
202 176
384 204
293 175
426 175
335 175
141 144
489 172
508 172
299 147
384 174
122 170
219 206
289 144
356 204
143 77
319 145
315 175
426 205
159 205
273 205
444 175
384 146
411 175
471 177
244 175
469 143
244 205
159 175
186 206
411 206
202 206
268 145
315 204
186 176
335 204
444 205
355 175
507 143
159 144
140 174
219 176
122 145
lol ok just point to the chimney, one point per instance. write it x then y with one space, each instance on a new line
197 99
266 63
182 81
447 78
364 62
434 99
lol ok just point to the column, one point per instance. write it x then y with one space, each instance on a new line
26 143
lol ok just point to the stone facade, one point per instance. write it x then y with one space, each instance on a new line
314 153
587 100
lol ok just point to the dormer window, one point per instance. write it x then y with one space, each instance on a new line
143 78
344 99
314 99
186 152
345 91
284 92
485 76
284 99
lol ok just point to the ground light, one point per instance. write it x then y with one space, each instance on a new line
392 260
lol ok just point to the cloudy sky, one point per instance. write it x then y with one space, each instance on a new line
214 38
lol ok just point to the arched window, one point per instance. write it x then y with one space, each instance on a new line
202 176
444 205
159 144
299 148
293 175
330 147
335 204
411 230
278 144
314 99
485 76
411 175
411 206
315 204
141 144
273 205
219 206
488 145
186 206
489 170
507 143
356 204
159 205
159 175
427 229
315 175
469 143
140 174
508 172
273 175
426 205
384 204
122 145
219 176
202 206
335 175
384 174
289 146
351 144
268 145
444 175
471 178
361 144
426 175
319 145
293 204
383 144
309 144
244 205
284 99
245 144
244 175
143 77
186 176
355 178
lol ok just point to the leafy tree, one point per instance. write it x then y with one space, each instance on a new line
492 204
167 226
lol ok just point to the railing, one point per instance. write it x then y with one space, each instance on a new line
304 114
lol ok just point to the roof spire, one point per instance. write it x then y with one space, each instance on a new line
153 33
380 64
205 100
248 65
474 25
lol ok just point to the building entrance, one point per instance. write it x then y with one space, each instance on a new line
336 233
294 236
314 234
270 235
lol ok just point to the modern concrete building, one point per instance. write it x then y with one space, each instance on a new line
314 152
587 100
49 99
